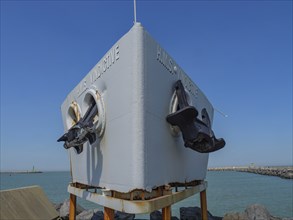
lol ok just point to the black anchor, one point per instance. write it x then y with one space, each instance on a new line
82 131
197 134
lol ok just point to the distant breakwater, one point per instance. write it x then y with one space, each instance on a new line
283 172
21 172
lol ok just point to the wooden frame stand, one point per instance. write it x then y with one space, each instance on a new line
111 203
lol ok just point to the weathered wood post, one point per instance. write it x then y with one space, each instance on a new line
203 205
109 213
166 213
72 207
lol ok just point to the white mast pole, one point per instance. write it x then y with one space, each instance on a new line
134 8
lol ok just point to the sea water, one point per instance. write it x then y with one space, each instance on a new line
227 191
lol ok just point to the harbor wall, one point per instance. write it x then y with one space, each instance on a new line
283 172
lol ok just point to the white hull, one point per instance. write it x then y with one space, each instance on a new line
136 148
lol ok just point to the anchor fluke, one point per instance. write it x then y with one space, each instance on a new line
197 134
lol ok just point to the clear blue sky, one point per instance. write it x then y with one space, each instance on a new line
238 52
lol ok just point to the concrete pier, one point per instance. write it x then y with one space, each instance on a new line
283 172
26 203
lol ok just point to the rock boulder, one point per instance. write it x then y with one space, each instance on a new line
64 209
252 212
194 213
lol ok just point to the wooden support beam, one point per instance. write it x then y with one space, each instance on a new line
72 207
166 213
109 213
203 204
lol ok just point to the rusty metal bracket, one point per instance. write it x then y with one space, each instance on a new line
137 206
